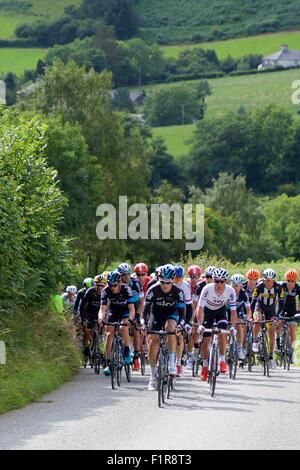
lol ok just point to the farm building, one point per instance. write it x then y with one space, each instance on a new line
283 58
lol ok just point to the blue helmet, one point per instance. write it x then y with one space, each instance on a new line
179 271
168 272
113 277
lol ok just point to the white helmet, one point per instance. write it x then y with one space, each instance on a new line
209 271
220 273
237 279
269 274
71 290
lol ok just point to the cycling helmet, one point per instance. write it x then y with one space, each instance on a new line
194 270
141 268
158 271
291 275
104 276
99 279
253 275
124 268
237 279
220 273
269 274
71 290
179 271
168 272
88 282
209 271
113 277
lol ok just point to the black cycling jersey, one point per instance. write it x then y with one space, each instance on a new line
90 305
290 297
151 283
159 303
137 290
79 299
266 299
248 290
118 302
199 288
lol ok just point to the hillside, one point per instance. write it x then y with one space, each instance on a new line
207 20
229 93
13 13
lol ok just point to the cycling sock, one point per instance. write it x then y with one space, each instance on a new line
205 362
222 358
178 362
136 354
126 350
172 358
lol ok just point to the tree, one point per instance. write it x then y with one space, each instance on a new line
11 89
171 105
203 91
122 101
164 167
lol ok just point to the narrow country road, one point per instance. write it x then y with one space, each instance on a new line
253 412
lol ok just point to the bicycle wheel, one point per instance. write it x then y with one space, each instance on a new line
265 357
114 365
120 364
161 379
213 370
128 372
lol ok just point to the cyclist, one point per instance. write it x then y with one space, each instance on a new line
208 279
291 290
194 273
164 307
87 284
69 297
141 272
155 278
264 301
243 306
212 309
117 306
89 309
252 276
186 288
134 284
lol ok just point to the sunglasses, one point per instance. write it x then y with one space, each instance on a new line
113 285
219 282
208 277
194 277
141 274
166 283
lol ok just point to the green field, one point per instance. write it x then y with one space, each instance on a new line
229 93
263 44
18 60
40 10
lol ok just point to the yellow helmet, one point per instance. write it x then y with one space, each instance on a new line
104 276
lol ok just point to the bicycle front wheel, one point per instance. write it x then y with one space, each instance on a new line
213 372
114 365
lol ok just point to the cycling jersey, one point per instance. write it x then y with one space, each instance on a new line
242 302
265 300
79 299
90 305
145 285
248 290
118 302
151 283
290 306
162 306
199 288
213 301
187 290
67 302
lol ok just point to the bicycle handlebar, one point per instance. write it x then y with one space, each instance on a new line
161 333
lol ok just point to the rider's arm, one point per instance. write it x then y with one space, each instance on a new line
131 312
83 305
281 300
103 305
147 305
254 299
200 314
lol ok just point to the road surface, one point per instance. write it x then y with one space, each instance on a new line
252 413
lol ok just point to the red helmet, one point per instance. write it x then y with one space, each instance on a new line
141 268
291 275
253 275
194 270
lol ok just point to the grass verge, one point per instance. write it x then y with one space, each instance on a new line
40 356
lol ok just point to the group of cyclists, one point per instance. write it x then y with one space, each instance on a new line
189 303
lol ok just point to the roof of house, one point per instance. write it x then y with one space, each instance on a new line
284 54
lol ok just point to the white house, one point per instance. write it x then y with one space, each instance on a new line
284 58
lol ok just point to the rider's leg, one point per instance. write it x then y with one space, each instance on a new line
108 341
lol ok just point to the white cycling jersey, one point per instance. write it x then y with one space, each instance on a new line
187 290
210 299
